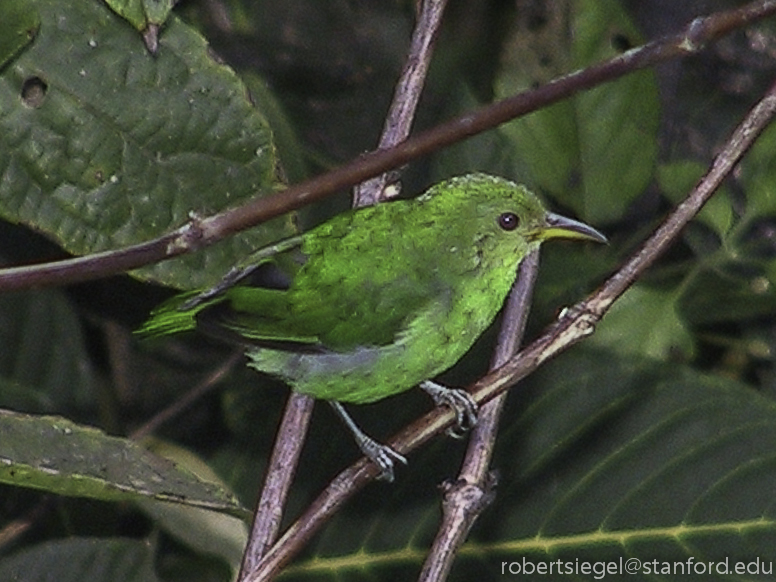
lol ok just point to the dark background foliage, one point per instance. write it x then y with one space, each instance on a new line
653 439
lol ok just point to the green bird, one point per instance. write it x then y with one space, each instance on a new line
378 299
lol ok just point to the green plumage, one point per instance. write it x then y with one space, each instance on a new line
380 298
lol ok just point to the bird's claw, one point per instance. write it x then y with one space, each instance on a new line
465 412
460 401
383 456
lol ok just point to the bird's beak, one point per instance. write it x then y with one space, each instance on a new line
557 226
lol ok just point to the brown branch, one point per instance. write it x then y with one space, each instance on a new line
406 96
573 326
198 232
12 531
466 498
280 473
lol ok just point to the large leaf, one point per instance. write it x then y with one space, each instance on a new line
490 152
645 321
634 460
59 456
103 145
209 532
677 180
596 151
759 173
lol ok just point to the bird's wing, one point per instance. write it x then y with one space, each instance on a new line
271 266
316 321
259 317
359 286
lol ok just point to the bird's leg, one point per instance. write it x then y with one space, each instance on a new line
381 455
460 401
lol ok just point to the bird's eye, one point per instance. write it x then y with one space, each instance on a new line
508 221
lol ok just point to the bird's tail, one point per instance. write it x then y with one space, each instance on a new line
168 318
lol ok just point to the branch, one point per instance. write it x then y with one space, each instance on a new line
573 325
406 96
466 498
200 232
277 484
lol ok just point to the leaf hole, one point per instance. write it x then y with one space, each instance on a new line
621 43
34 92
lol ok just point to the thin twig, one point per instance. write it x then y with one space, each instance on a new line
295 423
16 528
177 407
406 96
280 473
473 491
574 325
201 232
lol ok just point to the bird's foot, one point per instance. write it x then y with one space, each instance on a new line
381 455
460 401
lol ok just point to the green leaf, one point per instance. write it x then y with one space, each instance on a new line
147 16
623 457
645 321
595 152
290 150
206 531
732 296
141 13
676 179
59 456
81 559
18 27
132 11
758 174
103 145
43 356
489 152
